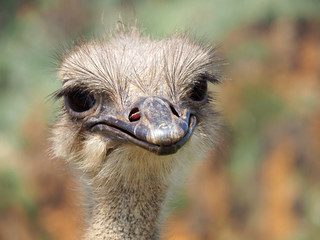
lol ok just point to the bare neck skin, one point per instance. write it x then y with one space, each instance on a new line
128 207
127 214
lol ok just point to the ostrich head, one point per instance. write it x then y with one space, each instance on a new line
134 111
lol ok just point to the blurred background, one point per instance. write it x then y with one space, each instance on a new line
264 180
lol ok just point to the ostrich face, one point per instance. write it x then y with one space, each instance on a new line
130 90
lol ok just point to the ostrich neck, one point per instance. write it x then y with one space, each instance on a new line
124 209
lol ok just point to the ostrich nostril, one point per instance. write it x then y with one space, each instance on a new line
134 115
174 111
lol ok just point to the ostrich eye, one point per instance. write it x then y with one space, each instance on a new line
79 101
199 91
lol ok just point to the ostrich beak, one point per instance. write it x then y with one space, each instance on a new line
152 123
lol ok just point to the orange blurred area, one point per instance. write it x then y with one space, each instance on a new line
262 181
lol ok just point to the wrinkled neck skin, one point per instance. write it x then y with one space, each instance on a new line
127 213
128 201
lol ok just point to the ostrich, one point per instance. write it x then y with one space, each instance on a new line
135 111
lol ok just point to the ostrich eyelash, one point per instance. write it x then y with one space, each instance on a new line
210 77
65 91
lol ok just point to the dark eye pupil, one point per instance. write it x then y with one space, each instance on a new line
79 101
199 91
